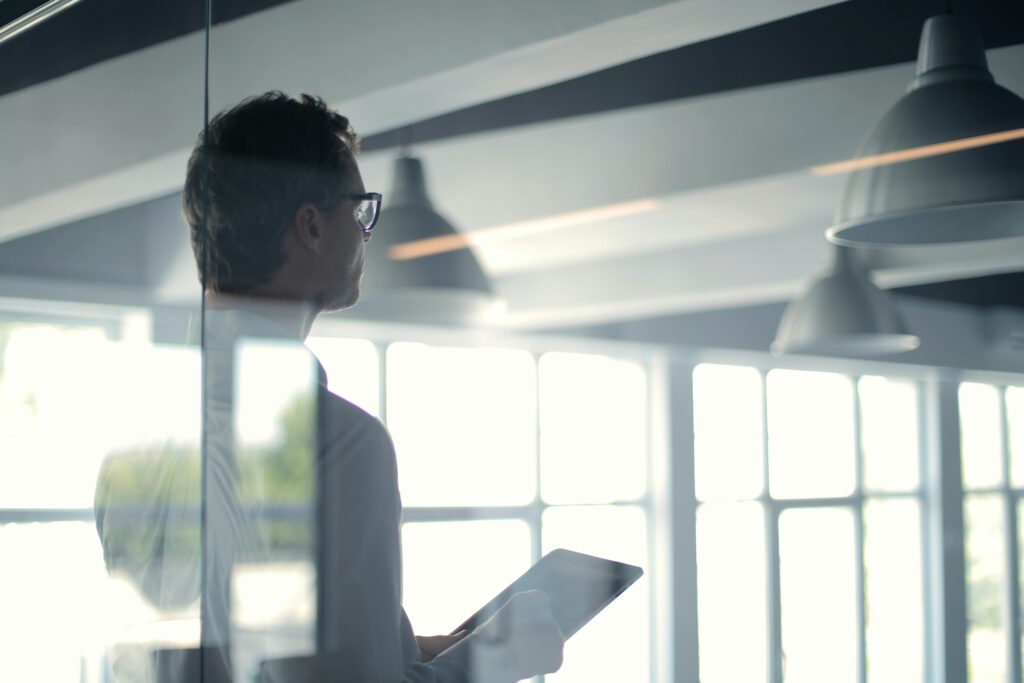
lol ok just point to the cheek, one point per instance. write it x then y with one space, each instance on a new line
358 249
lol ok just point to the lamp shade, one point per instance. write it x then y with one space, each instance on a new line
843 312
964 191
446 287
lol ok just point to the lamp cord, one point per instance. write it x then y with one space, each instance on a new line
403 141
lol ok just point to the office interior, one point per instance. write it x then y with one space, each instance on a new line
671 324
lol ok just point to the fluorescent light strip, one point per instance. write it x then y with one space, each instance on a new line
917 152
33 17
502 233
439 245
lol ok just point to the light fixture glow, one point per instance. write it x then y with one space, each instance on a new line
511 231
917 152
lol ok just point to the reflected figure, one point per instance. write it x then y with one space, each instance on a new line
279 220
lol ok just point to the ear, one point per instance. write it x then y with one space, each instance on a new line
307 227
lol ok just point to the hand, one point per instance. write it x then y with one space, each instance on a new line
526 633
432 646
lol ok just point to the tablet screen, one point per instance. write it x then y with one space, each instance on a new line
578 585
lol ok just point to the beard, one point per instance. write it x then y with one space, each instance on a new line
340 297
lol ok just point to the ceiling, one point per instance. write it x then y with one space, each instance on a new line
696 120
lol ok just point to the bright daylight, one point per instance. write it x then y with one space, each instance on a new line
556 341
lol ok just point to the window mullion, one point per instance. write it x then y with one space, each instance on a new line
775 669
926 495
45 515
1011 606
683 525
538 506
382 381
858 521
947 601
772 565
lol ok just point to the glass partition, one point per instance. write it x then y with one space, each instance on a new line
99 385
321 323
425 473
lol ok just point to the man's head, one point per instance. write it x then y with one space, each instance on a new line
267 202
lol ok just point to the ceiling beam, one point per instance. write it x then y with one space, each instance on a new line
71 142
662 150
761 268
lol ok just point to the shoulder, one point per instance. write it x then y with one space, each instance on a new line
356 455
338 413
350 434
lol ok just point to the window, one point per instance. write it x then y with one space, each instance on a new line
512 456
809 550
464 425
504 455
70 398
992 449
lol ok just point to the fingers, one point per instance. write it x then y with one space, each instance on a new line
540 639
521 609
532 607
431 646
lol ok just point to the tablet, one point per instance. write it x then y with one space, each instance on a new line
578 585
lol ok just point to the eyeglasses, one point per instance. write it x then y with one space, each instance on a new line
366 211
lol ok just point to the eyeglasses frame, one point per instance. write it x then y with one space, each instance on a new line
364 197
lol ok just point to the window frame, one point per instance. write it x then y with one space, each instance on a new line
115 323
382 335
774 507
1010 499
670 503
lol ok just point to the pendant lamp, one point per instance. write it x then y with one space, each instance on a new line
843 312
966 189
445 288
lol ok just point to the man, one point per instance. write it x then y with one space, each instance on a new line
279 221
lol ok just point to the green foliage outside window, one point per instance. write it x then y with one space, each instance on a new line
148 509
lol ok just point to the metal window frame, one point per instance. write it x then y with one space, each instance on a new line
532 513
110 320
1011 498
774 507
1011 539
671 512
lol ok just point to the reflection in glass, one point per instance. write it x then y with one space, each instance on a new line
59 609
810 434
819 595
980 440
1020 566
894 611
464 424
731 592
274 381
728 432
622 628
54 394
593 429
889 434
1015 433
352 369
97 422
452 569
985 556
273 578
92 423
